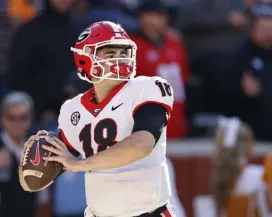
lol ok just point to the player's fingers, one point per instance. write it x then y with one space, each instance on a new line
53 158
52 141
52 149
41 132
60 142
30 141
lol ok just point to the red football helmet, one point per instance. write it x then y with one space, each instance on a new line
99 35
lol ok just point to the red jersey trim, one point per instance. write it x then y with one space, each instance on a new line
91 106
166 213
168 108
64 139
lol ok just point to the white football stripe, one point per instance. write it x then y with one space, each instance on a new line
116 28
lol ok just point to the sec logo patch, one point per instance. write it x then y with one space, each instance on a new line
75 117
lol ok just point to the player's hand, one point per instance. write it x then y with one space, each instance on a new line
29 142
64 156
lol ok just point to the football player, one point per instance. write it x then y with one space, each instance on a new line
118 126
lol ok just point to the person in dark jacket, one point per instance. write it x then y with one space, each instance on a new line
40 57
16 110
5 162
249 81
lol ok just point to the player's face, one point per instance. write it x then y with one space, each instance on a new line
110 53
113 52
16 120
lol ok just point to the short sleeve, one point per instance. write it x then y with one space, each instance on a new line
153 90
62 115
62 122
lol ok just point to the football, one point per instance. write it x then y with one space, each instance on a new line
38 173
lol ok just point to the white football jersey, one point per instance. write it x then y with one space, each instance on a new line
133 189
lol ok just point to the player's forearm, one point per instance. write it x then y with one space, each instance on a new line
133 148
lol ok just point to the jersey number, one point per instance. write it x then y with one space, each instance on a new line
105 133
172 72
164 88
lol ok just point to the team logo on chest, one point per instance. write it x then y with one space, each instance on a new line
75 117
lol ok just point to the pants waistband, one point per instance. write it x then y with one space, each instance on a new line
158 211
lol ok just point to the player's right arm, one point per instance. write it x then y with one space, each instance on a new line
149 121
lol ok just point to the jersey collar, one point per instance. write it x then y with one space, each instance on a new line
96 108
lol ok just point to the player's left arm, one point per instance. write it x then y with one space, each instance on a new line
149 121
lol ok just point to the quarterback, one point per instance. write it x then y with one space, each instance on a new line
118 127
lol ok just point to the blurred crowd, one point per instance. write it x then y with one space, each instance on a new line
217 55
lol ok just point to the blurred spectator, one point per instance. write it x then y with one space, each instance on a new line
161 53
5 163
74 86
210 26
5 34
3 86
212 30
255 67
237 186
40 57
111 10
21 11
16 110
80 8
173 9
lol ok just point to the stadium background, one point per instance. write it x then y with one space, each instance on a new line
222 73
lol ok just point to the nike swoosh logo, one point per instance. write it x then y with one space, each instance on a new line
37 159
113 108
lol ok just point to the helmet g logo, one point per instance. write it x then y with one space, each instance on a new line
83 35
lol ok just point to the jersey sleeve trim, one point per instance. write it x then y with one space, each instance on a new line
65 140
167 107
